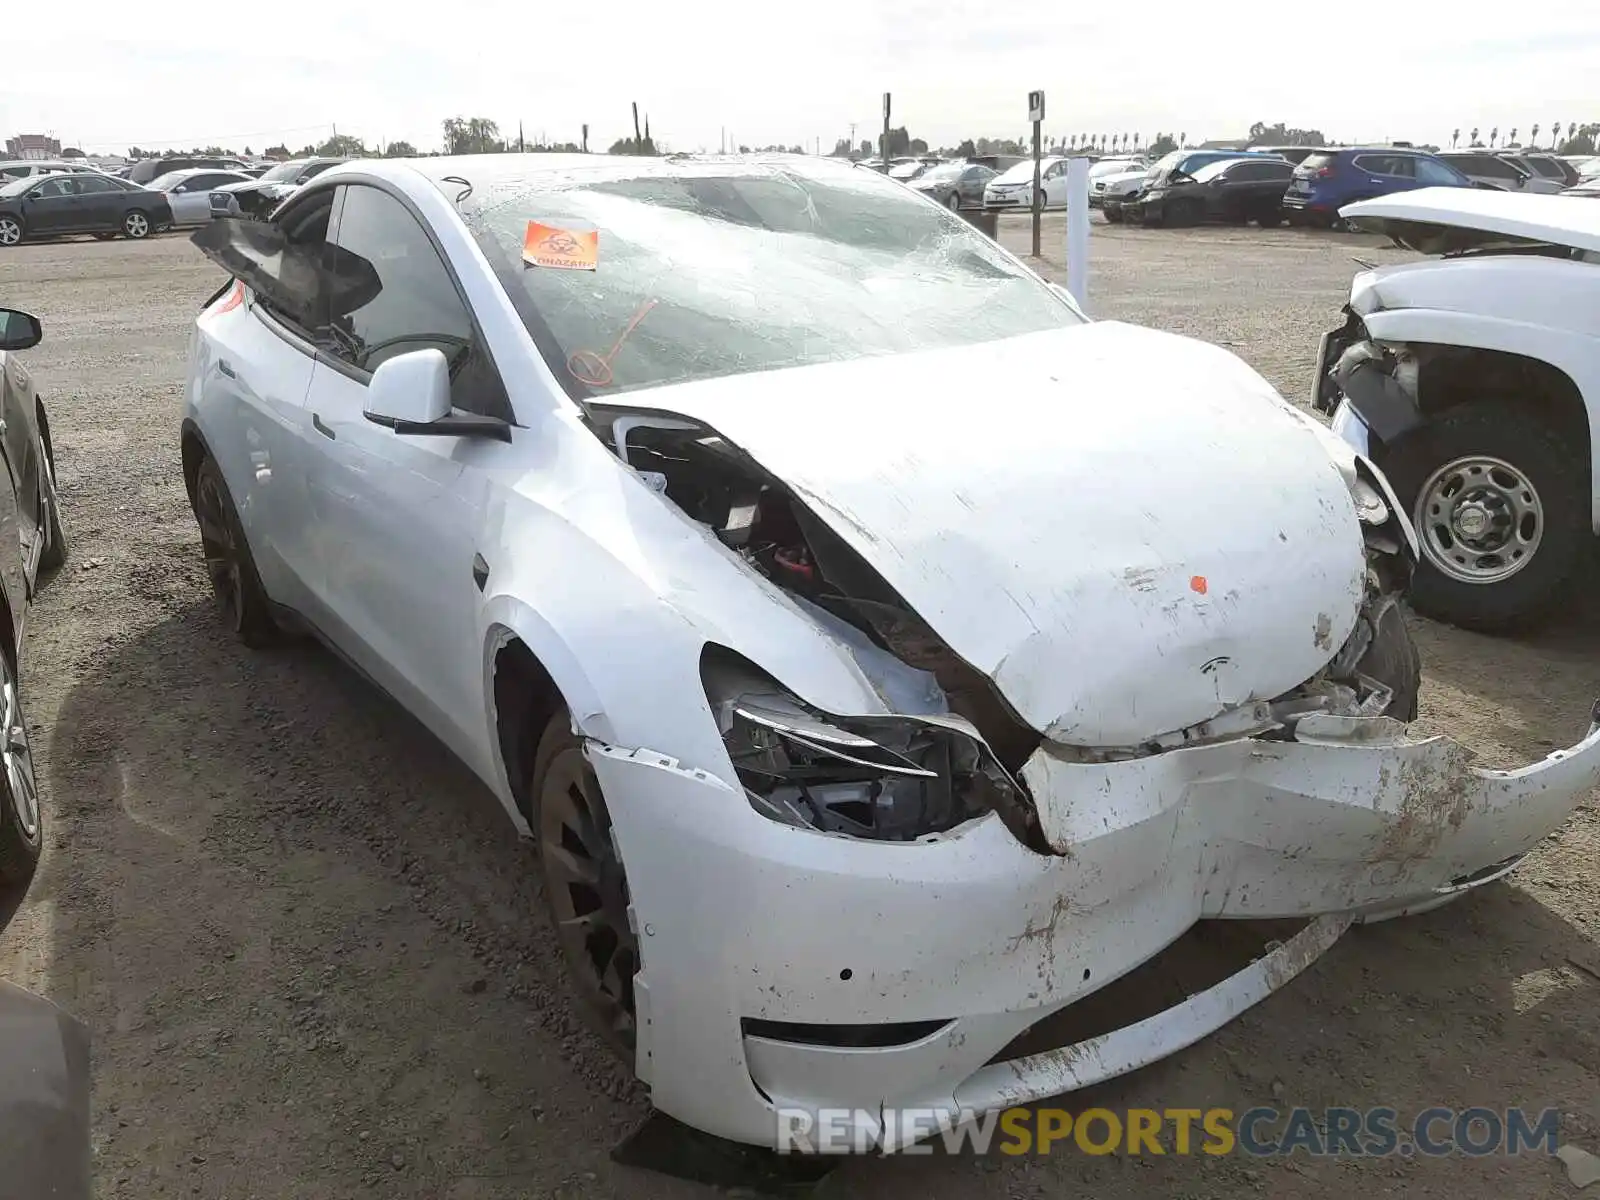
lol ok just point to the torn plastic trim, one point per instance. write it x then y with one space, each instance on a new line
1069 1068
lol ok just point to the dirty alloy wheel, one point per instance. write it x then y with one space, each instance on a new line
234 582
585 886
10 231
1498 501
954 203
21 824
136 224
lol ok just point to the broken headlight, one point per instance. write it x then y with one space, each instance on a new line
886 778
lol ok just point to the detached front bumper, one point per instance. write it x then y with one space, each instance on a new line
783 968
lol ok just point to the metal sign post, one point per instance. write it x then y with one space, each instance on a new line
1036 115
883 149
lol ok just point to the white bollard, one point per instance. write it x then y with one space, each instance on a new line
1078 230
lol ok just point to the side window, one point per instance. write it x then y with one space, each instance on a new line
408 303
93 183
1429 171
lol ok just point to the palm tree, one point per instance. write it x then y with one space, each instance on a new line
1475 140
1455 136
1493 134
1183 140
1536 135
1555 133
1511 139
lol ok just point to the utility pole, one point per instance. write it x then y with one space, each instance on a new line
851 155
520 144
1036 115
883 148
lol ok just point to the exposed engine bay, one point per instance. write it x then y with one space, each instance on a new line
906 777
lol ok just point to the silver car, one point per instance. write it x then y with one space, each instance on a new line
189 191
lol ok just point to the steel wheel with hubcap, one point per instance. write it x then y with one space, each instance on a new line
10 231
585 887
1479 519
1497 495
136 224
234 582
21 824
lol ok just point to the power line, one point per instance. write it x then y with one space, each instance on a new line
213 137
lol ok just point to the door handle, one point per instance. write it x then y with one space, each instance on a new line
226 368
316 423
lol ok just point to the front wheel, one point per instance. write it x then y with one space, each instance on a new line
954 203
240 597
1113 215
136 225
1498 502
585 887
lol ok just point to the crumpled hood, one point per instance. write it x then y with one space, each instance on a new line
1124 555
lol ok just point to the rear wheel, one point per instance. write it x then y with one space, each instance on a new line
1498 501
240 597
954 203
136 224
10 230
21 823
585 886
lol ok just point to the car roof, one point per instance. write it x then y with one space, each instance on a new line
1555 219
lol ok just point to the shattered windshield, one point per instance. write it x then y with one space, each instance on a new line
284 172
702 270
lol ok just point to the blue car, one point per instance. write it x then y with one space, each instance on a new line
1326 181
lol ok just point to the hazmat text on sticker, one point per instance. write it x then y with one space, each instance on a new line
565 249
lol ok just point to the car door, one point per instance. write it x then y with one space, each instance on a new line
191 200
19 505
51 206
100 202
970 186
1054 185
398 514
253 359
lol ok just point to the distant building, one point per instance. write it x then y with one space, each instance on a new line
33 145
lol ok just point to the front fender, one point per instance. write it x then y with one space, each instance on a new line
1575 354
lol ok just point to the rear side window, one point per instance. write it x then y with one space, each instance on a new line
1387 164
413 305
1487 166
1549 168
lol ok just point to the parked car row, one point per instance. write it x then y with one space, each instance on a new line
1309 186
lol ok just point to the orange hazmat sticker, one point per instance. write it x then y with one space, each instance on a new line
565 249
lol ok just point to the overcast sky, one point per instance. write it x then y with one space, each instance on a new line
290 70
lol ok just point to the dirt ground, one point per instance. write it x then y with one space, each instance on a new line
307 943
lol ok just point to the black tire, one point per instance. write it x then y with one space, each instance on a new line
954 203
243 602
54 555
1543 457
12 231
136 224
19 843
585 886
1113 215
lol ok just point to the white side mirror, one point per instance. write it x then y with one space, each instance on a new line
410 389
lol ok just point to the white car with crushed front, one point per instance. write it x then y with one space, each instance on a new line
860 727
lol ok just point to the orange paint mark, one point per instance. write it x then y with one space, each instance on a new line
565 249
231 301
1197 583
